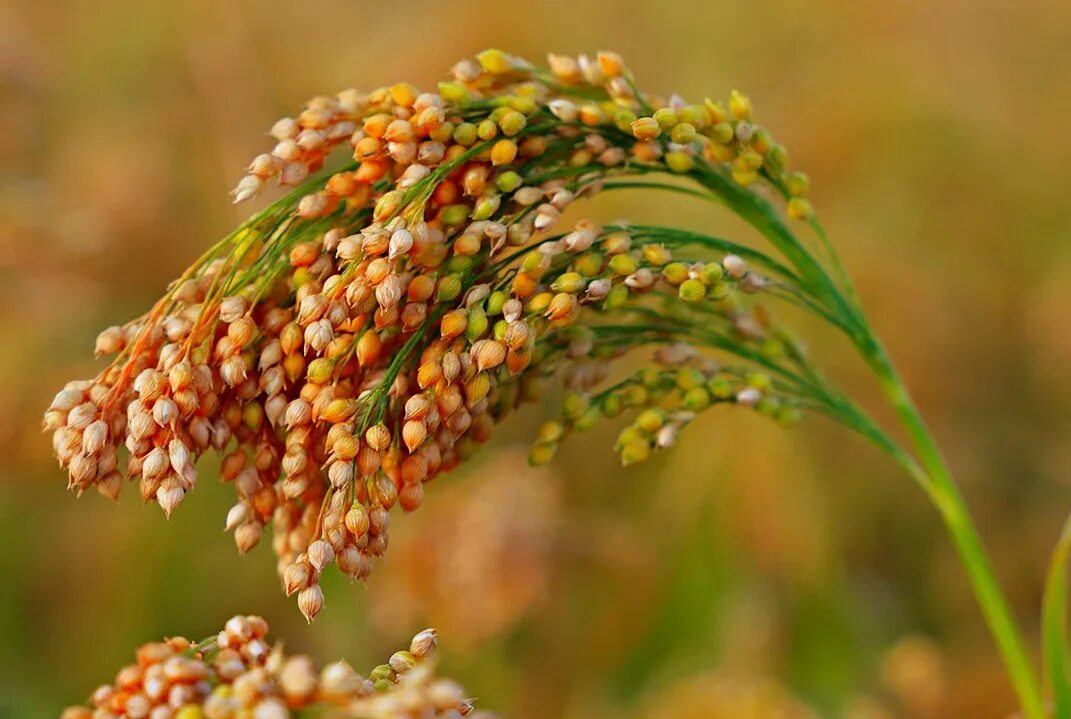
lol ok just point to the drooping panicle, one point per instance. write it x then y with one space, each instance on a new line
360 336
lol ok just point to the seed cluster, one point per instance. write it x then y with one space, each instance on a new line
238 674
359 337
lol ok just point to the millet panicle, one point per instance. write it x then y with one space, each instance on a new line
362 335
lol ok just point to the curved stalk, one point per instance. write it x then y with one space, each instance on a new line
929 469
1054 626
957 519
839 305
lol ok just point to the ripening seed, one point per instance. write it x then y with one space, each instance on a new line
800 209
692 290
645 128
503 152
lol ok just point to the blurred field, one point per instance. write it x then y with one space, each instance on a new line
749 573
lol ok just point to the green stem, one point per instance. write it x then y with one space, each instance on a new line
1054 626
949 501
933 474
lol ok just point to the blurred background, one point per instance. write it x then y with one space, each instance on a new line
751 572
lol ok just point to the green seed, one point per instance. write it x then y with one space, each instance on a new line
635 395
666 117
443 133
656 254
570 282
460 264
589 264
635 452
320 370
739 105
723 133
720 290
696 399
623 265
487 129
454 93
575 405
692 291
612 406
495 301
512 122
682 133
532 261
720 388
716 110
521 104
624 119
650 420
759 381
761 141
695 115
551 431
454 214
749 160
777 157
449 288
798 184
768 406
494 61
508 181
477 325
539 304
675 273
617 297
465 134
541 453
486 207
689 377
712 273
800 209
628 434
787 415
679 162
587 420
772 349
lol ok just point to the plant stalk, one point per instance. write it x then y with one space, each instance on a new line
950 504
933 474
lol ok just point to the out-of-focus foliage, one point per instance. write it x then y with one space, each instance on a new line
802 571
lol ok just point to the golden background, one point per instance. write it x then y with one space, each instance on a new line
750 572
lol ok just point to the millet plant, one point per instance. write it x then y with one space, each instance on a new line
366 332
238 674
